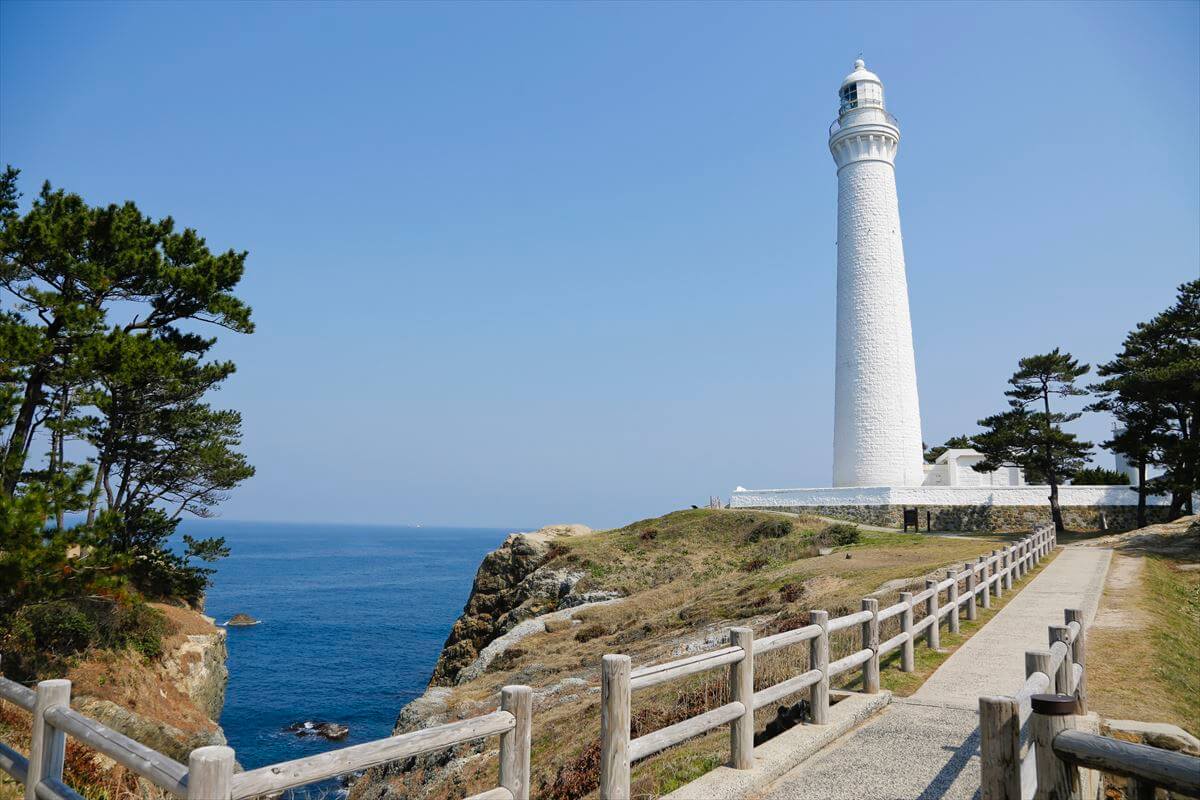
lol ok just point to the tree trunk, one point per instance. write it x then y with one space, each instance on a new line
60 449
17 449
1141 511
1051 473
94 497
1176 510
1055 509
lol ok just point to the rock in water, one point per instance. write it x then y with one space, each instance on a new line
328 730
334 731
242 619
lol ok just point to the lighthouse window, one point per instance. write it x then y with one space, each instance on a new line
849 97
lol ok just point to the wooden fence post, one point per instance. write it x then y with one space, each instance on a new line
985 593
818 658
1079 652
741 690
952 599
971 612
997 564
1000 748
1065 681
614 727
210 773
1056 779
933 636
870 641
48 746
906 625
1007 563
515 744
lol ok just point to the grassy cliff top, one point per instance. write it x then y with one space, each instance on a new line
684 578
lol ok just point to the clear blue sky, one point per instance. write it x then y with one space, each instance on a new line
534 263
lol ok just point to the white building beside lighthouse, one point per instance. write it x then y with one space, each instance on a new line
877 416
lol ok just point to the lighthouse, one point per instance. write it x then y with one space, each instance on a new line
877 418
879 472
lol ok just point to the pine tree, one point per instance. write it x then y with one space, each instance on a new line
1152 388
101 344
1030 435
953 443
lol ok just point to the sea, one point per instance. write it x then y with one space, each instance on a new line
352 621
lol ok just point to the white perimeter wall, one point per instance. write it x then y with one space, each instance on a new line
941 496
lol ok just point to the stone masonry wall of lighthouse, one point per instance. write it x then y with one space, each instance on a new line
877 421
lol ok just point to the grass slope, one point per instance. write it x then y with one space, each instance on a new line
686 577
1144 655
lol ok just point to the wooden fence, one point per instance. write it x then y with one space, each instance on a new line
976 583
1047 764
209 772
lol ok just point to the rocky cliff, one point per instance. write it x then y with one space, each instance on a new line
171 703
509 588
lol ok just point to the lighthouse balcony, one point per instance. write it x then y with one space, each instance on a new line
837 125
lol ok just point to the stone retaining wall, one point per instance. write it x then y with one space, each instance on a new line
986 517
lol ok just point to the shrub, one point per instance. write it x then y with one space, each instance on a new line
593 630
791 592
838 535
575 778
45 637
136 626
648 535
506 660
755 564
56 629
1098 476
770 529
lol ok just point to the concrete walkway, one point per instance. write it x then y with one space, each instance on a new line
926 747
993 660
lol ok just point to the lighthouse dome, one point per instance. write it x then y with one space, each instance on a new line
860 73
859 89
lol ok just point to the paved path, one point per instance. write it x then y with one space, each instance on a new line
926 747
993 660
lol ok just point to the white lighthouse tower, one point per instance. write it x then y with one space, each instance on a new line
877 418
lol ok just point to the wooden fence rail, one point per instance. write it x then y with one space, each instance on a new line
209 773
1045 762
989 576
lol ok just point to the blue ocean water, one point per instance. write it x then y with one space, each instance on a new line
353 619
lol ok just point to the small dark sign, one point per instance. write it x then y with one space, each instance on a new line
911 518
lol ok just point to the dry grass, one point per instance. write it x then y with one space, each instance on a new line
1144 650
85 771
687 577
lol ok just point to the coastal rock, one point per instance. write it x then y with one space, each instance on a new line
167 739
197 668
508 590
170 703
327 730
495 648
587 599
238 620
1156 734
